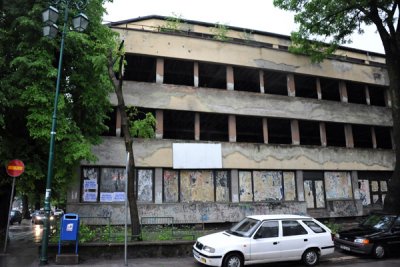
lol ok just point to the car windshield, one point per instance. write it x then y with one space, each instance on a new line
379 222
245 228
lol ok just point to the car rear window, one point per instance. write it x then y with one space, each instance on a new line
314 227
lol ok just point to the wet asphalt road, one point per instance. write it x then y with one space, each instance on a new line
22 251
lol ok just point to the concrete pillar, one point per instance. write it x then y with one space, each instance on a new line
322 133
232 128
235 186
291 85
348 132
343 92
261 77
118 123
388 100
230 84
159 124
197 126
354 183
196 74
373 136
265 129
367 97
158 186
319 91
300 185
294 125
160 70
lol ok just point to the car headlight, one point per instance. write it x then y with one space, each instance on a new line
361 241
209 249
51 218
337 236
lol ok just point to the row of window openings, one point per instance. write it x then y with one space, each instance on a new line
108 185
180 72
214 127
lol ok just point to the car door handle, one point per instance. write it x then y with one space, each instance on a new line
275 243
305 240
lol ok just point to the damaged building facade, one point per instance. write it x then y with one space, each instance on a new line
243 127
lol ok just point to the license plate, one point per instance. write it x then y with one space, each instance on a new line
196 254
344 248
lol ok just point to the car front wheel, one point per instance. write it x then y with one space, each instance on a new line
378 252
310 257
233 260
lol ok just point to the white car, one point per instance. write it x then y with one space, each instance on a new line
266 238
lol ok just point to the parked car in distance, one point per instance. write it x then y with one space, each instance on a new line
39 215
266 238
378 234
15 216
58 212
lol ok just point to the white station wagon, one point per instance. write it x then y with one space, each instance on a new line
266 238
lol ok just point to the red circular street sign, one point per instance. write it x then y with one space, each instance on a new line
15 168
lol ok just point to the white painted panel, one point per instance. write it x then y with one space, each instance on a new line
197 156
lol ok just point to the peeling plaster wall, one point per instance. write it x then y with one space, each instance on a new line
189 212
172 97
189 48
158 153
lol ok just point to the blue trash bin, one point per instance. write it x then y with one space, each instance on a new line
69 230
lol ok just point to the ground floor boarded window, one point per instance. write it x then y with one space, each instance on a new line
373 187
260 186
107 184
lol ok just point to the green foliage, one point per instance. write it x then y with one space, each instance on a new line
173 23
220 32
335 227
324 24
142 127
28 72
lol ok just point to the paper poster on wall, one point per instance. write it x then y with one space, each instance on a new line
90 196
90 184
106 197
118 196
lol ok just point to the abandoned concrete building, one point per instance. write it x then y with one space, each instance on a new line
243 127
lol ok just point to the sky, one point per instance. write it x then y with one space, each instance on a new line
250 14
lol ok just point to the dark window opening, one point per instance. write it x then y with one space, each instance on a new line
377 95
362 136
214 127
140 68
335 134
309 133
249 129
383 137
275 83
178 72
356 93
178 125
330 89
279 131
212 75
306 86
246 79
111 122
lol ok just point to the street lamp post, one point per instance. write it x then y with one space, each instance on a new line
50 29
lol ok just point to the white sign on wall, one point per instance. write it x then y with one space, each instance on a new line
196 156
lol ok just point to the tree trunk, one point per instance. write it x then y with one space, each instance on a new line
117 83
392 200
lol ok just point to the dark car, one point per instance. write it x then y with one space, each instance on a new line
376 235
39 215
15 216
